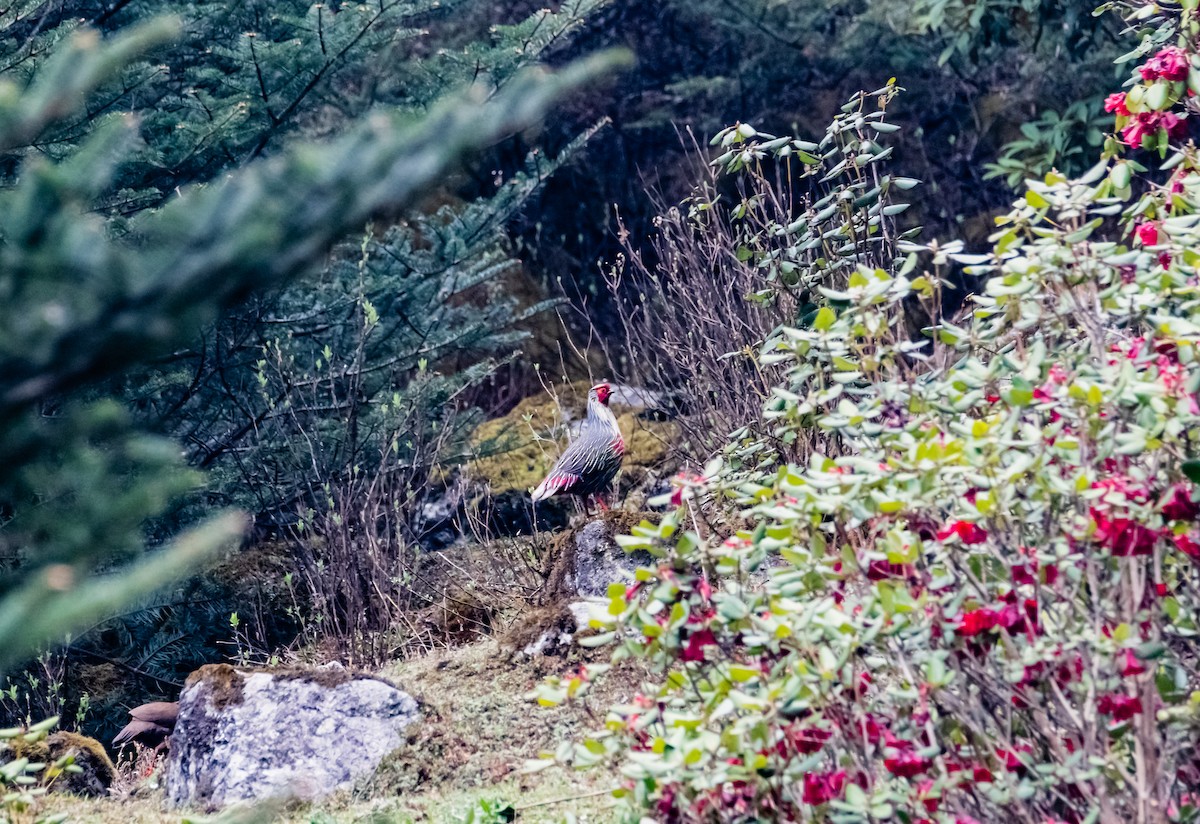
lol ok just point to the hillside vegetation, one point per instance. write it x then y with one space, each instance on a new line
898 305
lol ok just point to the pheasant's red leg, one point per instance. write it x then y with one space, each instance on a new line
601 503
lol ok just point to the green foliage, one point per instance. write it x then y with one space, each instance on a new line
243 77
489 811
361 364
23 781
847 223
1060 141
972 597
791 63
1039 53
741 259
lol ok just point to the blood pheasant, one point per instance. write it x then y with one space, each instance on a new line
591 461
151 725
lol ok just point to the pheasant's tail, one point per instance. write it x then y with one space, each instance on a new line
555 483
132 730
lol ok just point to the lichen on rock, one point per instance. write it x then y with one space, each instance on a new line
246 735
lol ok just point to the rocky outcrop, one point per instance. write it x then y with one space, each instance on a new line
586 559
246 735
591 558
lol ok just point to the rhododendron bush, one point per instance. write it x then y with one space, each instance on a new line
974 598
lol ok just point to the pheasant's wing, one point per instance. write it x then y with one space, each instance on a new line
135 728
157 712
566 472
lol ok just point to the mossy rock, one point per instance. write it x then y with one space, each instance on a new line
96 771
517 450
227 682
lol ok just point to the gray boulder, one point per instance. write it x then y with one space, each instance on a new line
245 735
597 560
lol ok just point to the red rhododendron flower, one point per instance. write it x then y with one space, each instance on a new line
1147 233
1120 707
871 728
1173 123
1187 545
811 739
1129 665
929 799
906 764
977 621
1012 758
1115 102
1069 671
696 642
1147 124
666 801
1178 504
1144 125
1019 617
1123 536
1024 573
880 569
821 788
1170 63
1031 674
967 532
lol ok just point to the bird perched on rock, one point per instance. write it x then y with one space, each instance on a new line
591 461
151 725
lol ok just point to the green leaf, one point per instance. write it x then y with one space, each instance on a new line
826 317
741 674
1191 468
597 640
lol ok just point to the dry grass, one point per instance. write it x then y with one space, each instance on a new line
547 798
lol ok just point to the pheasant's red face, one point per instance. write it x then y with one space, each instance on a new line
602 390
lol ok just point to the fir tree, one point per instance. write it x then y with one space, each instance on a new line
82 299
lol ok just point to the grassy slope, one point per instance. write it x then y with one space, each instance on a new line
477 731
